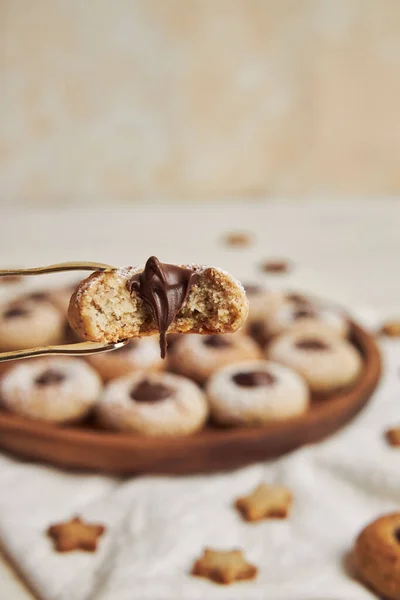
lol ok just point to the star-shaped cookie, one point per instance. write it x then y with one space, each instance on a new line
391 328
223 566
266 501
75 535
393 436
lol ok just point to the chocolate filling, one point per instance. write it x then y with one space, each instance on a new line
397 534
254 378
15 312
258 333
216 341
165 289
304 313
298 299
39 296
50 377
146 391
252 288
312 344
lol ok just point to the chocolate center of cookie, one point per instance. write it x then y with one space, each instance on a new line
50 377
257 332
15 313
298 299
311 344
146 391
252 288
304 313
38 296
216 341
254 378
165 289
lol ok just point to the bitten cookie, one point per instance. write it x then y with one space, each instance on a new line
27 323
198 356
325 361
133 302
153 404
57 390
256 392
377 556
137 355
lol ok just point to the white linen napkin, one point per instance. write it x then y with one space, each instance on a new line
157 526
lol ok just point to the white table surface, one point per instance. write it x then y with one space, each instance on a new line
348 251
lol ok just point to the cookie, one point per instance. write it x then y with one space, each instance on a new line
240 239
56 390
393 436
307 317
27 324
141 354
61 296
326 362
265 502
256 392
133 302
377 556
198 356
391 329
262 301
75 535
153 404
224 566
276 266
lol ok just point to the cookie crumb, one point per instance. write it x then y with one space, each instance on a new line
265 502
276 266
75 535
393 436
224 566
390 329
240 239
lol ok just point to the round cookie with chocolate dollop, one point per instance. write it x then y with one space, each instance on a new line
377 556
153 404
326 362
57 390
297 313
198 356
262 301
26 323
137 355
256 392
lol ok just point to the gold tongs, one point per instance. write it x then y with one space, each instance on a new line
77 349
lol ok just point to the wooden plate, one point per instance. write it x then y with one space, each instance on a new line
210 450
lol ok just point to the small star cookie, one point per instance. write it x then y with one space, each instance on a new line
224 566
391 329
75 535
266 501
393 436
276 266
238 238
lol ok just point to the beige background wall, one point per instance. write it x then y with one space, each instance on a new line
128 99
